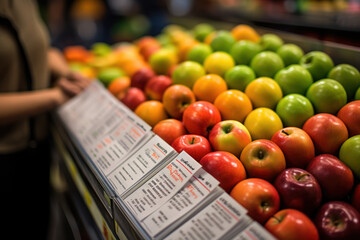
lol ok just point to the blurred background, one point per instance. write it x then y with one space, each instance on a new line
84 22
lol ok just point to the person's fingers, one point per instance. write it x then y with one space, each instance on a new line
69 87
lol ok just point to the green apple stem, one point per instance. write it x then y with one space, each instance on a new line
303 176
192 140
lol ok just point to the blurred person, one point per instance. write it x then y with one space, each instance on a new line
27 94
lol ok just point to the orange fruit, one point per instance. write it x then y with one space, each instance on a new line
245 32
118 85
233 105
151 111
208 39
208 87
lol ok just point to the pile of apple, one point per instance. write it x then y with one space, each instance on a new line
279 128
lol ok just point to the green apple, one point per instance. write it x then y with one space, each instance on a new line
243 51
100 49
199 52
357 94
290 53
201 30
327 96
162 60
187 72
107 75
348 76
294 109
223 41
239 77
271 42
266 64
350 154
317 63
294 79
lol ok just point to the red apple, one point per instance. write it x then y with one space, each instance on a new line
335 178
199 117
141 77
298 189
263 159
355 197
156 86
195 145
338 220
176 99
225 167
327 131
133 97
169 130
258 196
350 115
229 135
292 224
296 145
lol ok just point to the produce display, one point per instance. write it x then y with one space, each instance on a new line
279 128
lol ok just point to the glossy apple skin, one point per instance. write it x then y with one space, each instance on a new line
141 77
350 154
225 167
298 189
195 145
156 86
355 198
335 178
133 97
327 131
169 130
258 196
296 145
337 220
229 135
291 224
200 117
263 159
350 115
176 99
317 63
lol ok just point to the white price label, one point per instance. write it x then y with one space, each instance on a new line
254 232
213 222
142 162
199 187
162 186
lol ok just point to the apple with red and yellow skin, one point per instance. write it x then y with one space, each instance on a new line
355 197
298 189
350 115
296 145
156 86
133 97
292 224
176 99
225 167
335 178
262 158
327 131
141 77
196 146
169 129
229 135
338 220
200 117
258 196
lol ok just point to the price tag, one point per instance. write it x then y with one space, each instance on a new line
162 186
254 232
145 159
191 195
213 222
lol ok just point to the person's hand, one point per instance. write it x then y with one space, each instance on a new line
80 80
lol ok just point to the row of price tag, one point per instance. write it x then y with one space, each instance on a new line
169 195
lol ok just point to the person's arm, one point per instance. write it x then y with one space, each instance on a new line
17 106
